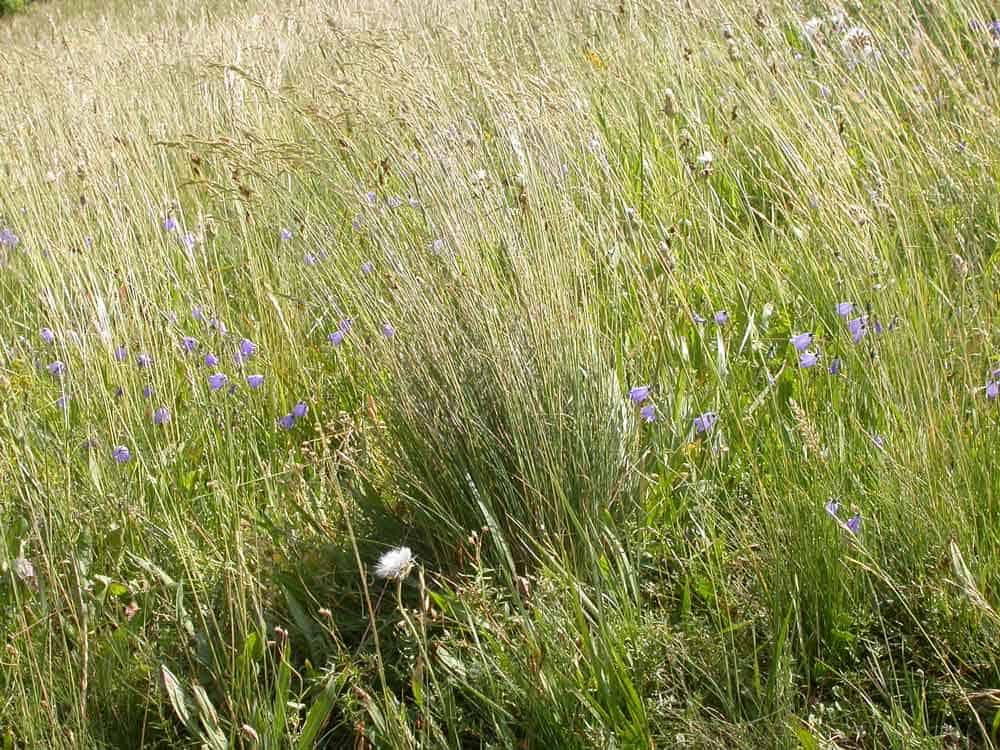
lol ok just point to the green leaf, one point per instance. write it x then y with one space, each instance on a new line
177 697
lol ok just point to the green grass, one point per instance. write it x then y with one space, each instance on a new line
583 578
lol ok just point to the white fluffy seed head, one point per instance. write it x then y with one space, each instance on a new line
395 563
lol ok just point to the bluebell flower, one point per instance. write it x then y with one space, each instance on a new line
121 353
217 381
832 507
844 309
648 413
197 313
808 359
835 366
367 267
639 393
161 415
388 331
287 422
189 344
211 360
858 327
345 325
121 454
300 409
8 238
395 202
170 224
721 317
336 338
992 390
247 348
802 341
46 335
255 381
144 361
309 259
57 368
285 234
370 198
705 422
854 524
147 391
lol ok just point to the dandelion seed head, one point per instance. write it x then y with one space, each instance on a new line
395 564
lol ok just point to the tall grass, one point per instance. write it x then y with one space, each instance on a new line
458 235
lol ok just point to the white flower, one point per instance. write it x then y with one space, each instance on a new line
24 570
705 158
395 563
859 45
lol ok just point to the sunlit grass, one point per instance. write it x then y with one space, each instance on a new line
457 235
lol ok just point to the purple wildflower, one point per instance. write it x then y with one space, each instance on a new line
395 202
144 361
121 454
648 413
287 422
170 224
197 313
255 381
808 359
832 507
705 422
161 415
639 393
285 234
300 409
147 391
336 338
121 353
345 325
309 259
370 198
247 348
844 309
802 341
994 28
189 344
854 524
8 238
388 331
211 360
367 267
993 390
721 317
57 368
858 327
698 319
46 335
835 366
217 381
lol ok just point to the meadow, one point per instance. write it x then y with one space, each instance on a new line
528 374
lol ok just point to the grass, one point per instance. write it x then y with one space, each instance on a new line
547 228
